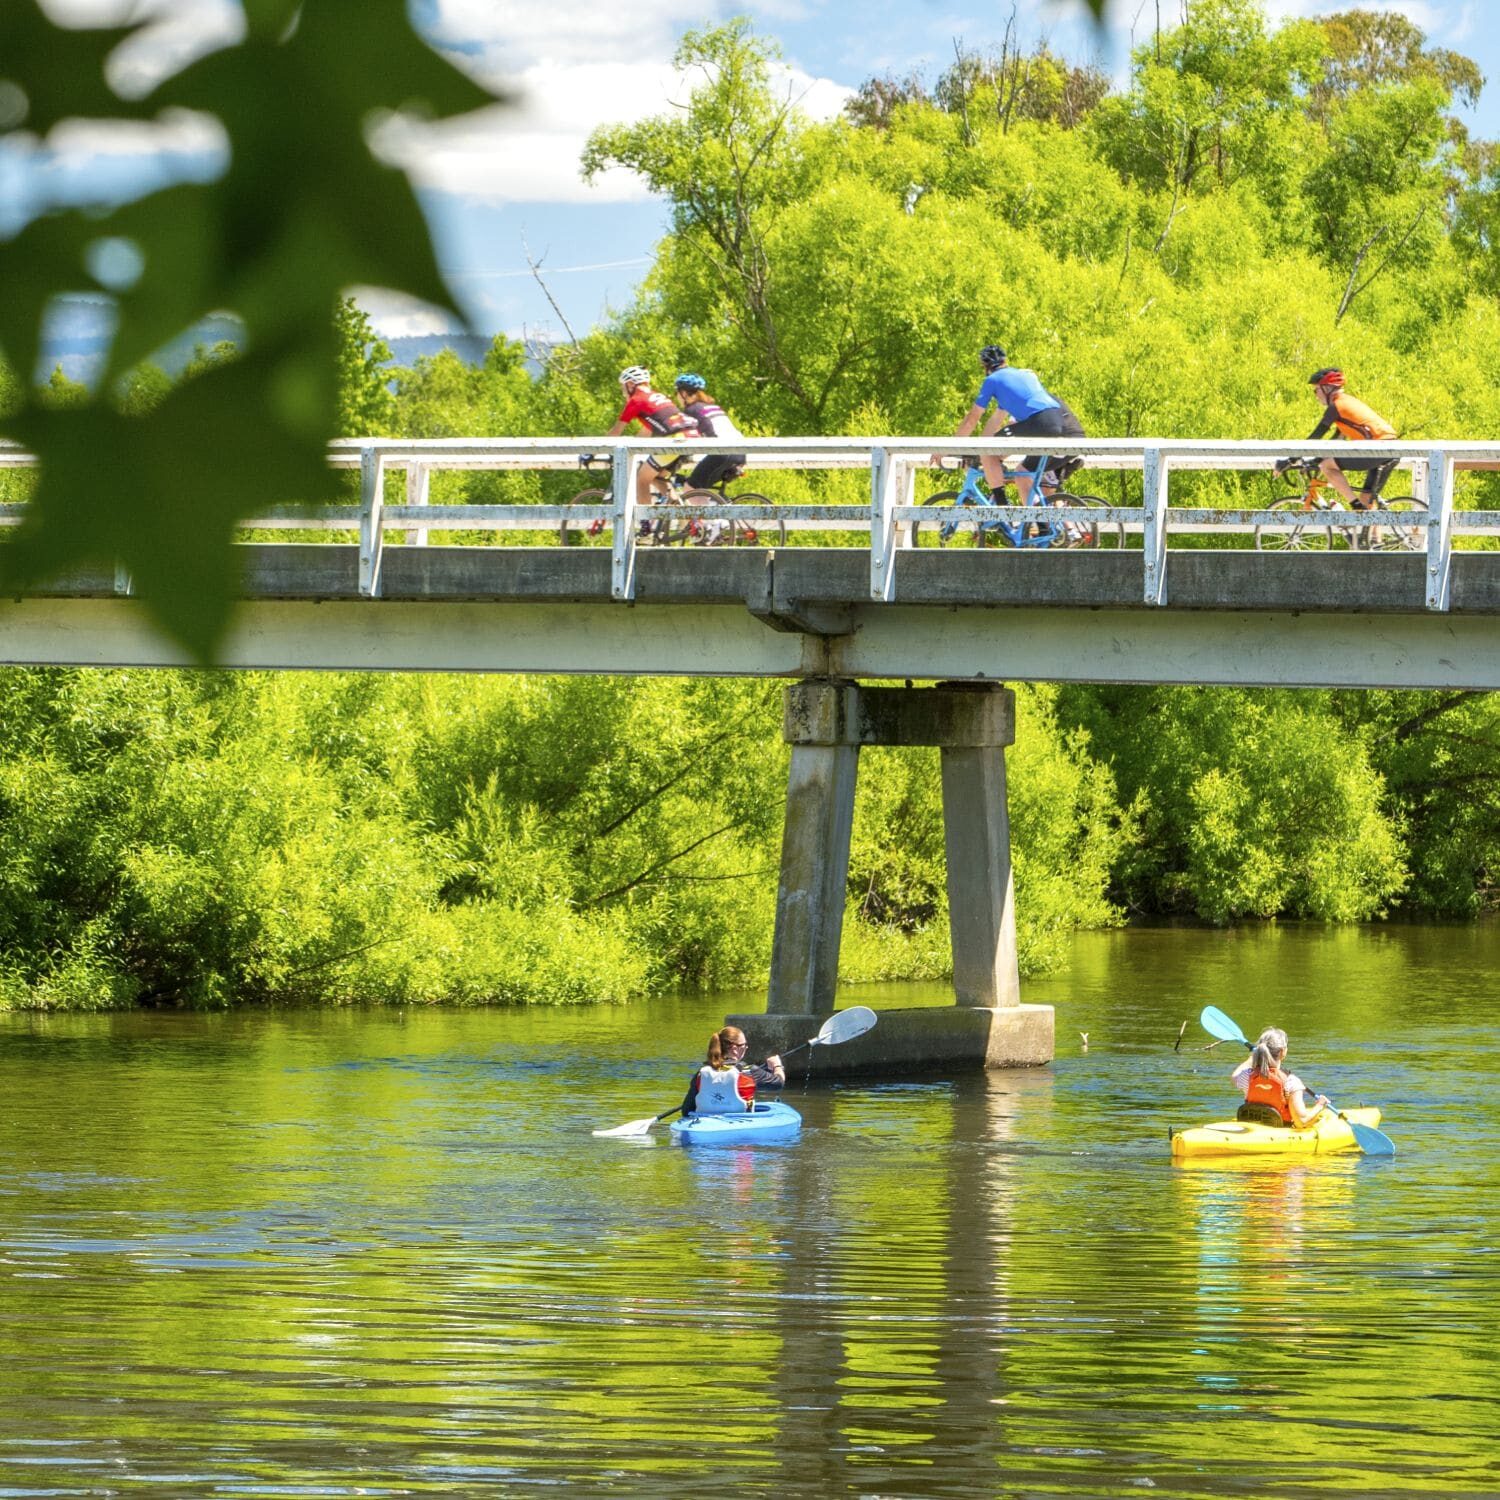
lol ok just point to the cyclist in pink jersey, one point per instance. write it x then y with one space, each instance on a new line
659 416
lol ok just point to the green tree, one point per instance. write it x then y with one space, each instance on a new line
1381 189
1369 48
1253 804
1212 101
724 163
365 405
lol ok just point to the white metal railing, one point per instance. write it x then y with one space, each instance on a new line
893 465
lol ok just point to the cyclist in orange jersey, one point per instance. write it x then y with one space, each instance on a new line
1352 419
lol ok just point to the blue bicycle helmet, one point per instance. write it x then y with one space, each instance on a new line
992 356
690 383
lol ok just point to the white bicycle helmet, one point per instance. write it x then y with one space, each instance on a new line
635 375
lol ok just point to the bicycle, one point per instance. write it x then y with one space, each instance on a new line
1046 531
1384 535
660 528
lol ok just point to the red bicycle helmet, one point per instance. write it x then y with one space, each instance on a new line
1328 376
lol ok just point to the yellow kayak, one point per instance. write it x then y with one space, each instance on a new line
1237 1138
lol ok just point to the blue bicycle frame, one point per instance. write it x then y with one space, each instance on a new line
1047 531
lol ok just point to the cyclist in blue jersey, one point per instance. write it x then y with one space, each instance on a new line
1023 407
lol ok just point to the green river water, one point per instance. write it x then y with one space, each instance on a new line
377 1253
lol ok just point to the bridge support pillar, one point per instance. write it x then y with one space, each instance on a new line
827 723
814 877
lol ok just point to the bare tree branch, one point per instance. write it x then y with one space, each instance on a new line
536 270
1350 290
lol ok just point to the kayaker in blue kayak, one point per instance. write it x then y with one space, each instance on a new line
724 1084
1267 1086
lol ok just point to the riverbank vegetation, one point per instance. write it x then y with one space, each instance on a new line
202 839
1173 259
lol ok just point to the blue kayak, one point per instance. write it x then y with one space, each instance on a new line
773 1121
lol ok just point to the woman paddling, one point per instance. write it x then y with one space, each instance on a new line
1267 1086
724 1085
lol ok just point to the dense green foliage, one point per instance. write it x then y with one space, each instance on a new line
192 839
1173 259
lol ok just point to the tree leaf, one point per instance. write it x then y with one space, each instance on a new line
303 212
176 483
61 69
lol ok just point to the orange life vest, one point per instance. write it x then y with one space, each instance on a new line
1269 1090
1357 421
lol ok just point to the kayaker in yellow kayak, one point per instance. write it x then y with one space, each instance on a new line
1267 1086
724 1084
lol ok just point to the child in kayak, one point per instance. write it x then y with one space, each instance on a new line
1268 1087
724 1085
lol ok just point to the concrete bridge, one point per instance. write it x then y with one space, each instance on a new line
1187 599
851 601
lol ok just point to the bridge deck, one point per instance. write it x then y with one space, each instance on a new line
1239 618
758 578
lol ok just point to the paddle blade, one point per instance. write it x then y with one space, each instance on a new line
1216 1023
633 1127
1371 1141
844 1026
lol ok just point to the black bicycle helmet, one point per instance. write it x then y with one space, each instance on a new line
992 356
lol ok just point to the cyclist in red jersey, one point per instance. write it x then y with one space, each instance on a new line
660 417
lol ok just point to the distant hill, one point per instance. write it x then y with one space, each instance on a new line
79 329
469 347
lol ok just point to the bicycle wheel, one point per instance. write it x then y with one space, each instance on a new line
1394 537
572 533
756 533
944 531
1307 538
738 533
1087 533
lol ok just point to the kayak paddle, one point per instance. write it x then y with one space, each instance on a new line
1369 1140
640 1127
841 1026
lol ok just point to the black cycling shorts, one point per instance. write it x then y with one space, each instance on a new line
1375 476
717 468
1056 421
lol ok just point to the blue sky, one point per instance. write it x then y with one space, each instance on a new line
506 181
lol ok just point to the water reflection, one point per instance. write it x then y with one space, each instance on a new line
377 1254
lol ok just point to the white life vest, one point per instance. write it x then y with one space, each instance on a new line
718 1092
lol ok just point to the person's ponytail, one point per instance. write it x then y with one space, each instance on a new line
720 1042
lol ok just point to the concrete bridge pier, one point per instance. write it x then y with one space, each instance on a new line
827 723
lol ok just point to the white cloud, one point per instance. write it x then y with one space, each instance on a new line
397 316
530 152
595 63
173 34
177 132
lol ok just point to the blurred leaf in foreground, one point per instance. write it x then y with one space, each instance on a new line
303 212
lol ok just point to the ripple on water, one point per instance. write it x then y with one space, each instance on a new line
378 1255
